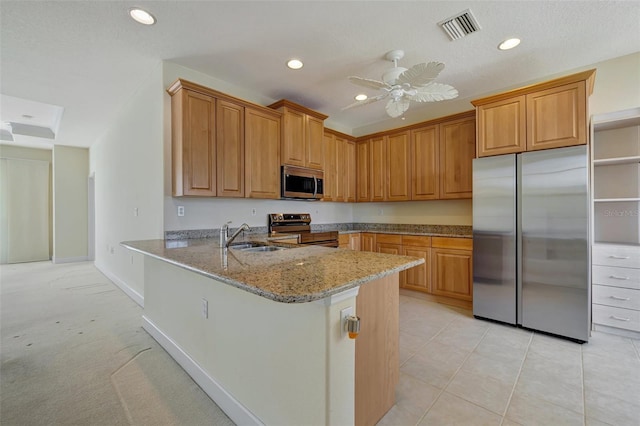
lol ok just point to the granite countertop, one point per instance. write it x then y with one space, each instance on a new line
294 275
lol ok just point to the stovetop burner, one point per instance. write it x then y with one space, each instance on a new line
300 224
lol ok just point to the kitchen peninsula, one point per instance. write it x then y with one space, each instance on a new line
262 333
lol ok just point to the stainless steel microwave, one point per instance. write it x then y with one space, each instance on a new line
302 183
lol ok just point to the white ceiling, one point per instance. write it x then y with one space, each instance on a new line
88 57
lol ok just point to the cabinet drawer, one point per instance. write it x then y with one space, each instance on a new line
616 317
614 296
616 277
388 238
612 255
452 243
416 240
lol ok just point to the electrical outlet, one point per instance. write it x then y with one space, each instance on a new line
380 212
180 210
253 212
111 250
344 314
205 309
135 211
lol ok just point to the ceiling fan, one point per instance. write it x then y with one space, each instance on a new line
403 85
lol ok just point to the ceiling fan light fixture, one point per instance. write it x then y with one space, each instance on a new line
361 97
142 16
295 64
509 43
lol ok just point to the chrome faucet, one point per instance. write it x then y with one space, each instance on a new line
225 239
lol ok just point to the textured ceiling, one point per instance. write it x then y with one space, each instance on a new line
89 56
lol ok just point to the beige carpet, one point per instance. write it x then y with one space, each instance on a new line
73 352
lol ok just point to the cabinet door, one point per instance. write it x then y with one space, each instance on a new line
398 167
314 143
502 127
350 172
457 149
194 144
341 169
388 248
329 167
362 171
354 242
452 273
262 154
557 117
418 277
367 241
424 163
230 149
293 137
343 241
378 168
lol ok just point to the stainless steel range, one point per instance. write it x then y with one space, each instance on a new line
300 224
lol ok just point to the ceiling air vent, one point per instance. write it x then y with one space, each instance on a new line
460 25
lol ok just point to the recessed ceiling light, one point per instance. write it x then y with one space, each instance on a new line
295 64
361 97
142 16
509 43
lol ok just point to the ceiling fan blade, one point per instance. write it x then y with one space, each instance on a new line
421 74
366 82
434 92
366 101
395 108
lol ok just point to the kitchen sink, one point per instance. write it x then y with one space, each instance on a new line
250 246
262 248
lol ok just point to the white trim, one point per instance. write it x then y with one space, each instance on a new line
231 406
69 259
617 331
137 297
339 297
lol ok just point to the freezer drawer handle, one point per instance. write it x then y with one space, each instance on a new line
613 256
615 277
620 298
619 318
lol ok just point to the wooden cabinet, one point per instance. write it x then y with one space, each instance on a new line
341 169
419 277
349 241
457 150
363 160
378 168
367 241
262 154
302 135
329 167
193 132
425 163
222 146
350 172
230 142
451 267
398 170
552 114
389 243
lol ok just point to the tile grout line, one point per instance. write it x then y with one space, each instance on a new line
454 375
515 383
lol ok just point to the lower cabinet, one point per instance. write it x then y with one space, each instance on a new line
419 277
367 241
389 243
349 241
452 267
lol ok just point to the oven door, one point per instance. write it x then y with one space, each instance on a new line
299 182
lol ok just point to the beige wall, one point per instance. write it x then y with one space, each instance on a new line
70 174
11 151
128 167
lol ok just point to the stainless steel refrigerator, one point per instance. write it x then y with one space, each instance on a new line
531 252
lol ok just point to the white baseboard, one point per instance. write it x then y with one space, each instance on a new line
134 295
617 331
231 406
69 259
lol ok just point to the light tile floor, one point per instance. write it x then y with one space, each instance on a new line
457 370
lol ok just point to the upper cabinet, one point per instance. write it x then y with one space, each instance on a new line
222 146
429 161
339 167
302 135
552 114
